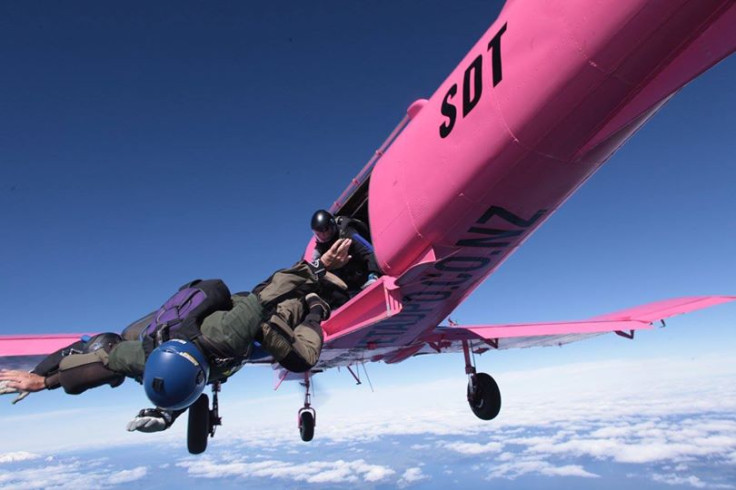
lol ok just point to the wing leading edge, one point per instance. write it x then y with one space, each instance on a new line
35 345
25 351
623 322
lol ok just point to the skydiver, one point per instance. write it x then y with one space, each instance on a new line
282 313
362 269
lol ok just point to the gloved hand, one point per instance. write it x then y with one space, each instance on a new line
151 420
7 390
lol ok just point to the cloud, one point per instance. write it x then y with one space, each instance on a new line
568 470
411 476
314 472
473 448
18 456
520 467
126 476
71 474
706 442
665 441
378 473
693 481
418 447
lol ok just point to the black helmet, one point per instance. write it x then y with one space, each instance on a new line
323 226
104 341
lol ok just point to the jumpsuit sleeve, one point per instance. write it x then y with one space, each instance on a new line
364 250
128 358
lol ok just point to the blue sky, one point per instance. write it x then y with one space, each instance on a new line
145 145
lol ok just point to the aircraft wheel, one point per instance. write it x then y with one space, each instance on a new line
306 425
199 425
484 396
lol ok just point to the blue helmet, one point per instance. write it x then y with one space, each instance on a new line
175 375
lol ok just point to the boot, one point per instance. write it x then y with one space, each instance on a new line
313 300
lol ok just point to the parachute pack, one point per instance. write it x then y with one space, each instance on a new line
182 314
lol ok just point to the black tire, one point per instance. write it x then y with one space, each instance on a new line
486 402
199 425
306 426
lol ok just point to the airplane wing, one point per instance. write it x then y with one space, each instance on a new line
513 336
637 318
443 339
25 351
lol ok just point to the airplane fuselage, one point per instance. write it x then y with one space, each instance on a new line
543 99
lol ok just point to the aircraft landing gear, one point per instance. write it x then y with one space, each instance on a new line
307 415
484 397
203 421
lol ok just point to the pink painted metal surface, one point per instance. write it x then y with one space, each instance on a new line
555 328
370 306
566 68
636 318
545 97
32 345
659 310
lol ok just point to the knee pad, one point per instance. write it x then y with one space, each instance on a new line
80 372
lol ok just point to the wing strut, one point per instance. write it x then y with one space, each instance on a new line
355 376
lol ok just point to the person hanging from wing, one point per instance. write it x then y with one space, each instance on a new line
175 355
362 269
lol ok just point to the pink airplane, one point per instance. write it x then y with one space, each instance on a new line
540 103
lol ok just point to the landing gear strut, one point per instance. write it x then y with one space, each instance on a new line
484 397
307 415
203 421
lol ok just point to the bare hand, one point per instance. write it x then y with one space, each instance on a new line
337 256
13 381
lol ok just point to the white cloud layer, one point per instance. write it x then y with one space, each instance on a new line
411 476
127 476
572 394
669 416
652 412
70 474
520 467
313 472
473 448
18 456
677 480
